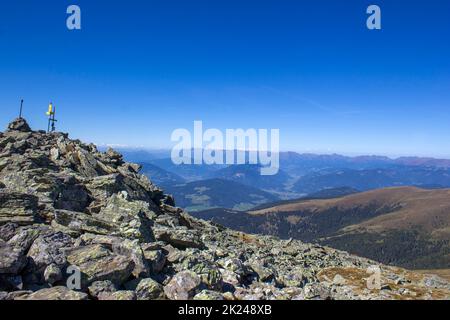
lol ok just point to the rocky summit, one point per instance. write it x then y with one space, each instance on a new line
79 224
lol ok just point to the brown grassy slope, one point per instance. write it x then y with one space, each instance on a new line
443 273
428 209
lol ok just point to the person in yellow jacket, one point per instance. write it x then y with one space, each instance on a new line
51 118
50 110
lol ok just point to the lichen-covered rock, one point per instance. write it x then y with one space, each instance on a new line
149 289
132 249
179 237
235 265
24 237
118 295
209 274
55 293
69 194
17 208
133 218
294 278
81 222
265 274
52 274
8 230
173 255
12 260
209 295
97 263
183 286
98 288
156 260
9 296
47 249
89 238
316 291
230 280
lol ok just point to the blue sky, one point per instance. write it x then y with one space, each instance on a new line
140 69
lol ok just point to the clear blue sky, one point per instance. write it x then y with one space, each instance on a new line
139 69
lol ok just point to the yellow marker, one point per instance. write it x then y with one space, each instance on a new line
50 110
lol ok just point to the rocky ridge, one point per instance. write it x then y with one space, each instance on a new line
66 207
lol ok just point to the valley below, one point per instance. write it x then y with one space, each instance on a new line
406 226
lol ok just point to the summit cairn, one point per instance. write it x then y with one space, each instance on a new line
66 207
20 125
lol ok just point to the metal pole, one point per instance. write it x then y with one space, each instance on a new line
50 110
53 120
21 106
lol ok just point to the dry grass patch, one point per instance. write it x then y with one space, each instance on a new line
413 289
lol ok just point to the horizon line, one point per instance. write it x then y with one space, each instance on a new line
315 153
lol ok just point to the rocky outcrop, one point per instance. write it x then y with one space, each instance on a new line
78 224
17 208
19 125
12 259
183 286
55 293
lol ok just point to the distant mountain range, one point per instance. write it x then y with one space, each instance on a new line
250 175
300 175
369 179
160 176
406 226
186 171
305 162
213 193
